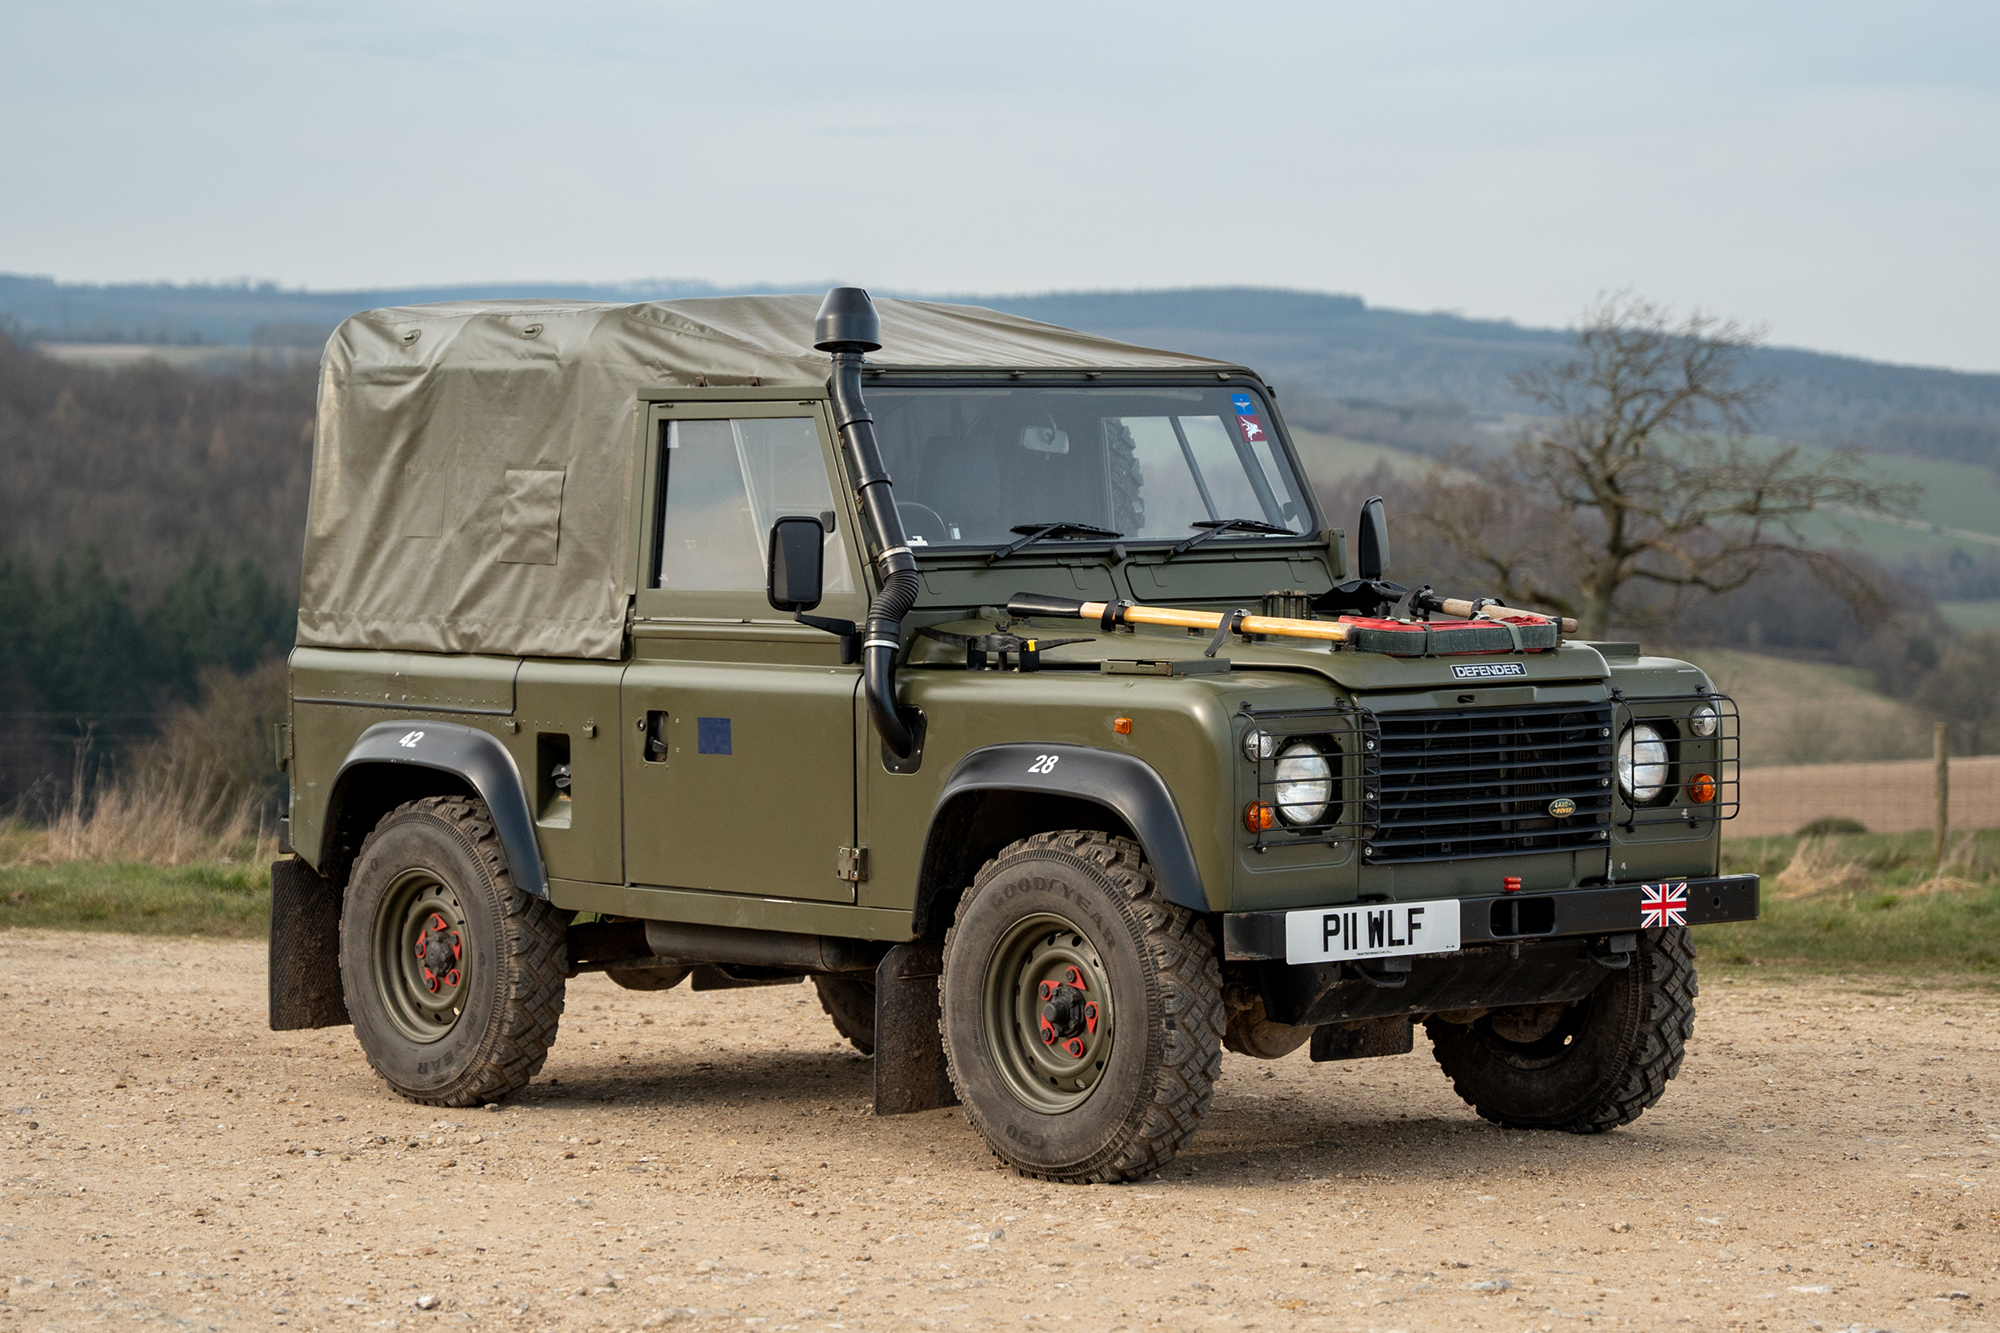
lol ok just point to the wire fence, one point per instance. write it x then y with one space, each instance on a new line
1892 797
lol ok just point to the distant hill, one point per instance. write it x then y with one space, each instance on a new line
1317 346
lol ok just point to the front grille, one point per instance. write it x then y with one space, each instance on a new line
1479 782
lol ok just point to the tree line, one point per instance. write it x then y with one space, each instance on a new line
150 465
86 670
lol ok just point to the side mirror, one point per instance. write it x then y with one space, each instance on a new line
797 563
1371 556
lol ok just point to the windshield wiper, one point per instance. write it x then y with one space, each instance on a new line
1217 526
1034 532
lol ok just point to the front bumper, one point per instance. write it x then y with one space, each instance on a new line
1515 949
1505 918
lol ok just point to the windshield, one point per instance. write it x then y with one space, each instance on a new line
977 466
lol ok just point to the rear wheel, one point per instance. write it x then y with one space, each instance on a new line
1584 1067
1082 1012
454 977
849 1000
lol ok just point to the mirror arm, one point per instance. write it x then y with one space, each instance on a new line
850 634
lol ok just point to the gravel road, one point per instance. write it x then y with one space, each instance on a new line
1823 1162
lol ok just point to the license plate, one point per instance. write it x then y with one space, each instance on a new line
1371 930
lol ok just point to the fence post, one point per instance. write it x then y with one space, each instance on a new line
1941 754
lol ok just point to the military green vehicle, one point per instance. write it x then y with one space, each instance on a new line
1004 681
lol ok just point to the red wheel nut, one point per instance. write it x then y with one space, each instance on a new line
1074 1047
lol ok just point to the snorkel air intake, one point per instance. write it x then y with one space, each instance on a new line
848 328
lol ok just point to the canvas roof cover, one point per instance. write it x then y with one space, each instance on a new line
474 465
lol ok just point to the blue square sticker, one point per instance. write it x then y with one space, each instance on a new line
1245 404
711 735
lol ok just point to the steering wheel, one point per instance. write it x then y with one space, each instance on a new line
932 531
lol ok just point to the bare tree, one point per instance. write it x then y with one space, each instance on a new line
1644 482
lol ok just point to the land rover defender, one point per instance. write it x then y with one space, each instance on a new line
1005 682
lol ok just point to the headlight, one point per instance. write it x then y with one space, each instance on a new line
1642 764
1702 721
1304 784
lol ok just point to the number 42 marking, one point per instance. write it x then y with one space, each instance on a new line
1044 763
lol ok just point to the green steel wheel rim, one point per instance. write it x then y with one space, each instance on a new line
1048 1014
422 956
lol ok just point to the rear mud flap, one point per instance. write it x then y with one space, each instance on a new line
305 949
910 1072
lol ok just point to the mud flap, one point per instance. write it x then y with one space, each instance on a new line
910 1072
1364 1040
305 949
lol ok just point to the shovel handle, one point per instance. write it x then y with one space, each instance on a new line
1458 606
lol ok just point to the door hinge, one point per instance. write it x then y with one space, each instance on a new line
851 864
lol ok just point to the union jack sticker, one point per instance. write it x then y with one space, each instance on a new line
1663 904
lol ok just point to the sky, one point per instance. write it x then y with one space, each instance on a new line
1830 171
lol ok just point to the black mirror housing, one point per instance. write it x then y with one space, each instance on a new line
797 563
1371 556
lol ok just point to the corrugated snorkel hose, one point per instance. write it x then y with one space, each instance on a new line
848 327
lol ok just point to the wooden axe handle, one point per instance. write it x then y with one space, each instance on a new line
1458 606
1166 615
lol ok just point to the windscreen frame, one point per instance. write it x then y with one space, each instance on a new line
1233 543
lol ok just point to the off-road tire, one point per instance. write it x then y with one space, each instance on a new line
1606 1060
849 1000
1156 963
514 957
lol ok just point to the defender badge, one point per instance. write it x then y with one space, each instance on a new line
1562 807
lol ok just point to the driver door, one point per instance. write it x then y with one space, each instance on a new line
738 724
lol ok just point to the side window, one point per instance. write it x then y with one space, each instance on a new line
725 483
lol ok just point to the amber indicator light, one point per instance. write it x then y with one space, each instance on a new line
1701 789
1259 816
1122 725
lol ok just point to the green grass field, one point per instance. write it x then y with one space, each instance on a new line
1852 904
199 899
1864 903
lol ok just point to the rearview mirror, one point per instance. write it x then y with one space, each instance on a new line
1371 556
797 563
1045 440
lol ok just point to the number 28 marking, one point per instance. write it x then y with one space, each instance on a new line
1044 763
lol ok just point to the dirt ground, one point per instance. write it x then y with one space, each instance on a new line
1823 1162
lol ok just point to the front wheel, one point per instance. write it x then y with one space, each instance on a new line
454 976
1584 1067
1082 1012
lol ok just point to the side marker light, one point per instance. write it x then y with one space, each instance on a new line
1122 725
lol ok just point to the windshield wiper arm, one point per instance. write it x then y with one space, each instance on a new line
1217 526
1034 532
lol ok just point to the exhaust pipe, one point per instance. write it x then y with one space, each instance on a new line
848 328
